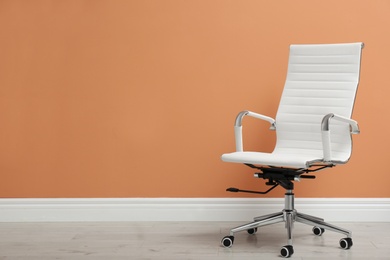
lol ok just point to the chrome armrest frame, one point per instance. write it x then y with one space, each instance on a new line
238 126
325 129
326 122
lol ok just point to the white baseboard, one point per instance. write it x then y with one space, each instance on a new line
188 209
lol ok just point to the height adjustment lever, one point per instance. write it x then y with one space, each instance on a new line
250 191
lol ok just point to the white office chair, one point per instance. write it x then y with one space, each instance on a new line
313 128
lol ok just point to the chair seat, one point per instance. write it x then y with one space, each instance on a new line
272 159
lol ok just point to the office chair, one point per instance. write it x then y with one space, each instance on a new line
313 128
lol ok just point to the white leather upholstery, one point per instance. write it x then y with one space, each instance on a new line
321 79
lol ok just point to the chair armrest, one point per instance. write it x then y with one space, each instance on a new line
326 142
238 126
326 122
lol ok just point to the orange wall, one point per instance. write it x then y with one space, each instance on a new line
138 98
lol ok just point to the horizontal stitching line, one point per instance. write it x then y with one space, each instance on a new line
328 81
325 55
313 97
320 72
306 106
322 63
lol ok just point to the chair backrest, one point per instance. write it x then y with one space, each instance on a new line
321 79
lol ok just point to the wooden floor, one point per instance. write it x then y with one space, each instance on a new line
183 240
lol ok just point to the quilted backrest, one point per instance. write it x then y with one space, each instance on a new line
321 79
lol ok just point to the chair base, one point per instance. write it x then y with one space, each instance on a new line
289 215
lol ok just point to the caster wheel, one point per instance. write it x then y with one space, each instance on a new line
346 243
227 241
287 251
252 231
318 231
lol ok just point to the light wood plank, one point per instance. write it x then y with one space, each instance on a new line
182 240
